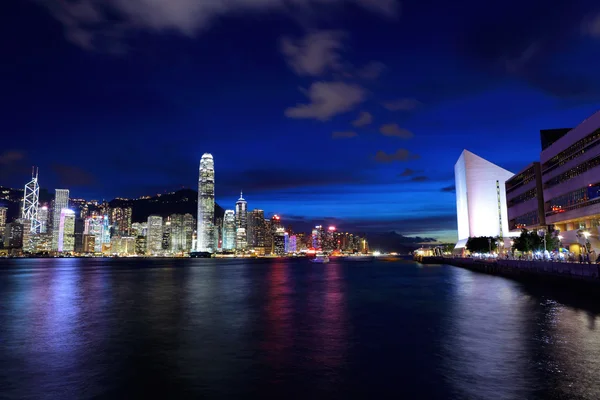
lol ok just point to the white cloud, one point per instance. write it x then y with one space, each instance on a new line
315 54
328 99
364 119
85 19
395 131
402 104
343 135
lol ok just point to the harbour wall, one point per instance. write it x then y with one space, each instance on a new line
538 270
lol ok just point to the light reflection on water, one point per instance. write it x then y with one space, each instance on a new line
75 328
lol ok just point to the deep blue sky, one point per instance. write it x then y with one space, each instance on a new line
121 98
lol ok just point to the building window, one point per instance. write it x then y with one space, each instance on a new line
530 219
573 172
573 151
582 197
523 197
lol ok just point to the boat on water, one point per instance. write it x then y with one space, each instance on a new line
320 259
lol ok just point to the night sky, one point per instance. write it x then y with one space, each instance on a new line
350 110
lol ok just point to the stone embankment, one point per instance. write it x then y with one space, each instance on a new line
573 272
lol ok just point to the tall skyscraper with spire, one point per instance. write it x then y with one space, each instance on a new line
206 205
31 199
241 222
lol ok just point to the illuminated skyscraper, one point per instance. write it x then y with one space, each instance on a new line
241 223
61 201
96 226
206 205
155 235
189 225
13 235
43 219
30 204
229 230
120 218
66 231
256 229
3 211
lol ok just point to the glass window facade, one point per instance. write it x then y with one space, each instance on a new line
582 197
519 180
523 197
530 219
572 152
573 172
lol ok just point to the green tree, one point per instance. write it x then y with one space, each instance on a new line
531 240
481 244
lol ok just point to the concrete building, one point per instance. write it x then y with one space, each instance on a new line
13 235
525 199
480 199
241 223
571 183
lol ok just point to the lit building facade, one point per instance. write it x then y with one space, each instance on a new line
120 219
155 235
13 235
241 223
256 229
206 205
61 201
525 199
66 231
43 218
229 230
279 241
99 227
29 207
571 183
3 211
480 198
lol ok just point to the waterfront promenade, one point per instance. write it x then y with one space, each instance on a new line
525 269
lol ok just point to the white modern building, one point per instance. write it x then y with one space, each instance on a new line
154 238
571 184
480 198
206 205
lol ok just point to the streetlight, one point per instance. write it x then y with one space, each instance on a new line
542 234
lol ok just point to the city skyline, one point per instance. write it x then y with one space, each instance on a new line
397 109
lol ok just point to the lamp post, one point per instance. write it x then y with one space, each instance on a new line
542 234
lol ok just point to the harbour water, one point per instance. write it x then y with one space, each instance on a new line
233 328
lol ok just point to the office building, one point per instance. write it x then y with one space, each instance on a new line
3 211
525 199
154 239
279 241
480 199
13 235
206 205
293 244
79 232
60 202
189 226
98 226
166 236
89 244
120 219
139 228
66 231
229 230
43 218
241 223
256 229
141 245
570 168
